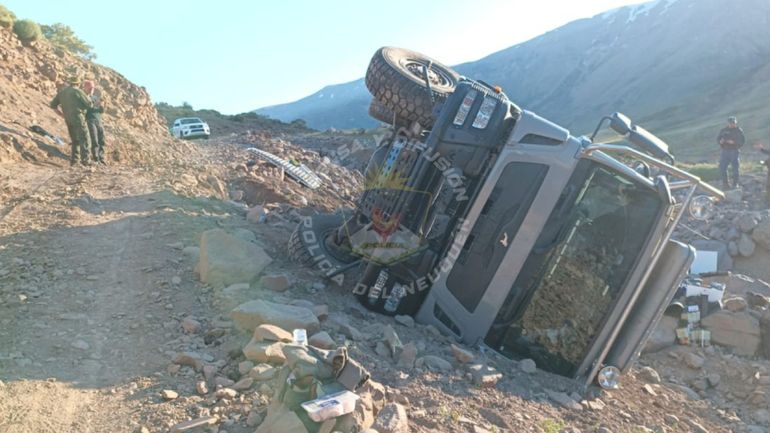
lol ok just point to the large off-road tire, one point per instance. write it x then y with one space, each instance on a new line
312 245
396 78
384 114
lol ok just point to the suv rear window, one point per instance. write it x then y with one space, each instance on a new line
576 270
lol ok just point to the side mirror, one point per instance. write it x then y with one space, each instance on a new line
649 142
620 123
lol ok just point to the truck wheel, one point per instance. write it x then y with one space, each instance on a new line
312 243
396 78
382 113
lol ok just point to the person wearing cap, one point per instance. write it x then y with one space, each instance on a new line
730 140
72 104
94 121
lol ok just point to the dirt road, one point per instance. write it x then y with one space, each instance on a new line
93 285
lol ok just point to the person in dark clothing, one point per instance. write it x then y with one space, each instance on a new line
94 121
730 139
72 104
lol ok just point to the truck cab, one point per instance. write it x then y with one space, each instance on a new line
504 230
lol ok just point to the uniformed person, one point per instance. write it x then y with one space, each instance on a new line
730 139
72 104
94 121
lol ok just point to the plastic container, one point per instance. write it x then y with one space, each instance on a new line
330 406
300 337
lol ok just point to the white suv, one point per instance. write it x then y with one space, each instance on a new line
190 127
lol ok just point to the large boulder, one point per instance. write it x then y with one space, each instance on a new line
739 331
747 222
746 246
251 314
761 234
225 259
663 336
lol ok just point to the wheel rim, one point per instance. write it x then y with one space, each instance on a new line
438 76
334 250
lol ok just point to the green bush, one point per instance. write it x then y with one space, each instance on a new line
64 37
6 17
27 31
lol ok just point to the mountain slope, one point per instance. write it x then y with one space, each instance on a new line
341 106
679 66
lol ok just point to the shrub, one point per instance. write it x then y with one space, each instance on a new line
27 31
6 17
64 37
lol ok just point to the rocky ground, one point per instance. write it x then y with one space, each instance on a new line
115 316
155 294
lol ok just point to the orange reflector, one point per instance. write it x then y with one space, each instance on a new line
498 89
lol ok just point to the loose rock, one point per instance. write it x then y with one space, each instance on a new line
226 394
735 304
563 399
407 321
225 259
254 313
243 384
408 355
484 375
391 338
434 363
264 352
692 360
168 394
649 375
746 246
195 423
461 355
267 332
80 345
276 283
527 366
190 325
392 419
263 372
322 340
245 367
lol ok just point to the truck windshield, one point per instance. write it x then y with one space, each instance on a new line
576 270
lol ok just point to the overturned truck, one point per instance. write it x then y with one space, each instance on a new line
501 229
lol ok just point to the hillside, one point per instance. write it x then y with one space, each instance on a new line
339 106
678 66
29 79
224 124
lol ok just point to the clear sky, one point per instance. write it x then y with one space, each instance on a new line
239 55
